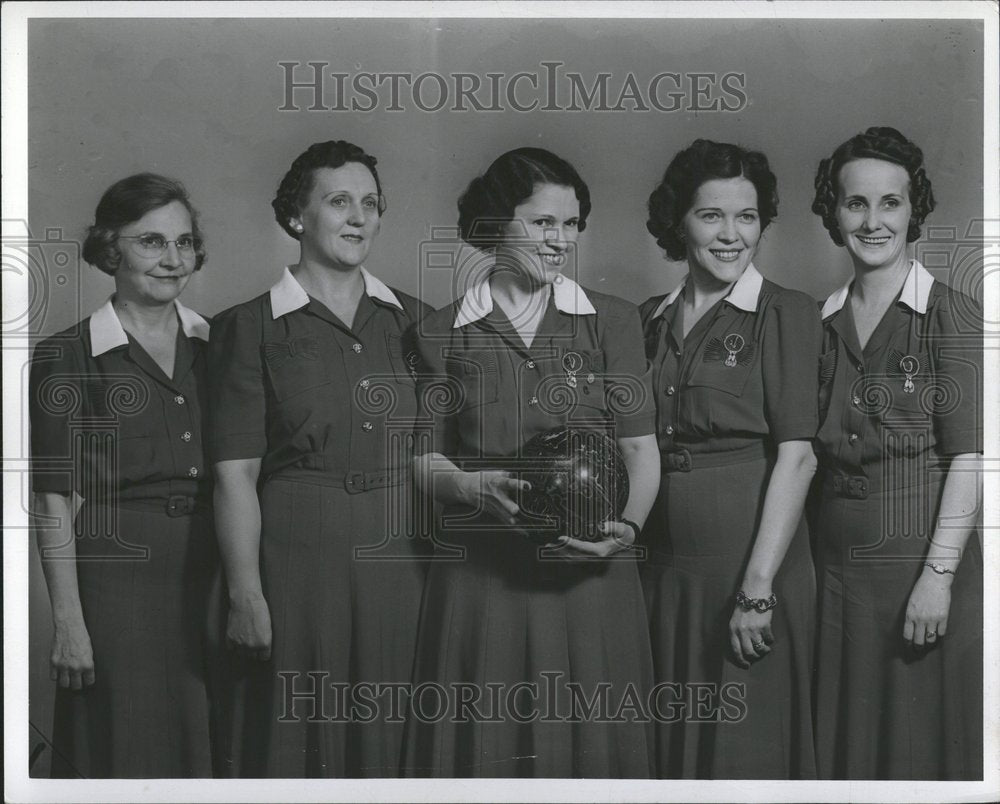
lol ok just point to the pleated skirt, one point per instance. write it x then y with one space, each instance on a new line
144 597
722 721
530 666
344 596
884 709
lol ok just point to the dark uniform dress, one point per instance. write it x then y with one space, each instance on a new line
740 383
329 409
894 413
524 640
108 424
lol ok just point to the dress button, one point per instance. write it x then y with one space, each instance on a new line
179 399
860 367
670 390
853 437
357 347
364 383
186 435
193 471
856 400
668 430
533 400
530 364
367 426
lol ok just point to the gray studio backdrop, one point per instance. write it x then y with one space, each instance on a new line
200 100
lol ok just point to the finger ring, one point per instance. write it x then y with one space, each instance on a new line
931 634
758 645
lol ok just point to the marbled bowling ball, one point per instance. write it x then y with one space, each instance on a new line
578 480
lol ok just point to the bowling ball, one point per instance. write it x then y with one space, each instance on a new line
578 480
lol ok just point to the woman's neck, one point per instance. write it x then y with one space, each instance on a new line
145 319
516 294
878 286
327 283
705 289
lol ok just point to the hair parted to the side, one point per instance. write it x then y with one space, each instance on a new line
877 142
703 161
125 202
293 192
489 201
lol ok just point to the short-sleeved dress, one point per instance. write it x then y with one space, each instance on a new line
108 424
740 383
528 666
893 415
329 409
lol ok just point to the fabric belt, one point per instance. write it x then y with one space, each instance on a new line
174 505
683 460
352 482
358 482
894 476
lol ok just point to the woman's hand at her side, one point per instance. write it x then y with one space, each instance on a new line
927 609
72 660
248 630
750 635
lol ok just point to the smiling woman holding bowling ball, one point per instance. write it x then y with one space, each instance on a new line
525 350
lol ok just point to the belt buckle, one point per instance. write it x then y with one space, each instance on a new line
356 482
680 460
179 505
854 487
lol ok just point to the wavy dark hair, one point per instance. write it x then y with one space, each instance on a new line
703 161
293 192
489 201
877 142
125 202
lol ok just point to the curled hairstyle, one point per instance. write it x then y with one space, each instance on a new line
293 192
488 203
125 202
700 162
878 142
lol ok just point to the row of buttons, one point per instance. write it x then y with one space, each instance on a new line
856 400
186 435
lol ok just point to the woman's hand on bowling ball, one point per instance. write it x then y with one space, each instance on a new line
494 492
750 635
614 537
248 630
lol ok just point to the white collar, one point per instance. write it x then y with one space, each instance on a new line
744 294
288 295
567 296
107 333
915 294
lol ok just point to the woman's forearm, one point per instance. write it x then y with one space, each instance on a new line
642 460
237 525
57 548
960 503
783 502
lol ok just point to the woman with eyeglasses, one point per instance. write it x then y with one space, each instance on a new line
312 406
122 499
